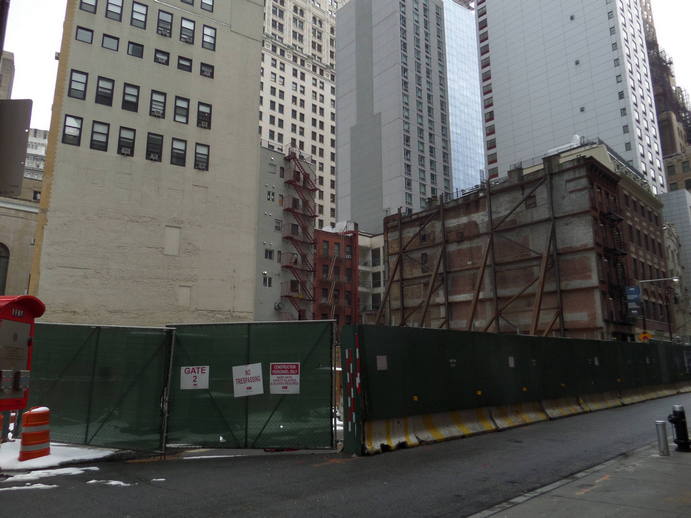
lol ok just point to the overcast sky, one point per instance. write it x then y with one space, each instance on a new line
35 29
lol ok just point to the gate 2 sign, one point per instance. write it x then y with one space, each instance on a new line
247 380
285 378
194 377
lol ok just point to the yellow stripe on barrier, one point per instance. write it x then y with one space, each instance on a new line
593 402
562 407
430 428
516 415
683 387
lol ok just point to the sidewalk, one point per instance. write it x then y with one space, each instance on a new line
638 484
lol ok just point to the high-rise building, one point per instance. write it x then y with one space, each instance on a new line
6 74
297 103
393 135
465 112
148 212
554 69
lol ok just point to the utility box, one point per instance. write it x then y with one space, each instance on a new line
17 316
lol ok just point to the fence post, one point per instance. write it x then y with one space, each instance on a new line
91 387
166 392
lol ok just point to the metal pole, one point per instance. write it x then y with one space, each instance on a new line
165 407
662 444
493 256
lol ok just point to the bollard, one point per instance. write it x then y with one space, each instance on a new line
681 431
662 444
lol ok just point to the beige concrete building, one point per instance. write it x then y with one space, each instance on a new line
148 212
298 90
372 274
6 74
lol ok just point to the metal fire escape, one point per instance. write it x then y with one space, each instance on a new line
300 234
615 252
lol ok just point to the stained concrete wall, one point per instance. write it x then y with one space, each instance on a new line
125 240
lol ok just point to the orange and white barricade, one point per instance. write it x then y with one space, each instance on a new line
35 434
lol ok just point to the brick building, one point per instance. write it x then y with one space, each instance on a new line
549 250
336 274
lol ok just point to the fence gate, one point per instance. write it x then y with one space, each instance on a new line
204 409
103 384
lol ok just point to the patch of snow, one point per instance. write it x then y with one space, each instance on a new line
59 454
29 486
117 483
158 480
42 473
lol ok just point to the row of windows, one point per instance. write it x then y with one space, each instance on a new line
105 89
100 135
164 23
137 50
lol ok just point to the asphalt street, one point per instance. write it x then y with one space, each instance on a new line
455 478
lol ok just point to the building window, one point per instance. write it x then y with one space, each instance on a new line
201 157
126 141
268 254
207 5
135 49
78 81
85 35
187 30
114 9
204 115
161 57
184 64
104 91
99 136
206 70
209 38
164 26
4 267
157 106
182 109
671 170
178 152
110 42
139 12
685 168
72 130
130 97
154 147
88 5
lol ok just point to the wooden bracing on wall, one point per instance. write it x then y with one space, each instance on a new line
437 279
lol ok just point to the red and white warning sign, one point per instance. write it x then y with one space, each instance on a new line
247 380
285 378
196 377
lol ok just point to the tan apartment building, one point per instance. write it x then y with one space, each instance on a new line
148 212
550 249
298 89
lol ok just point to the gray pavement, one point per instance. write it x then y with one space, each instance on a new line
450 479
639 484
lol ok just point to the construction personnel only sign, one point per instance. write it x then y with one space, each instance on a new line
194 377
285 378
247 380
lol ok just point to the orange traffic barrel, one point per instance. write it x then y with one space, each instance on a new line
35 434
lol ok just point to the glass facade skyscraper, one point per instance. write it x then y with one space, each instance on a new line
465 113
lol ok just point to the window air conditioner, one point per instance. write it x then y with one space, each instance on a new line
153 156
126 150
